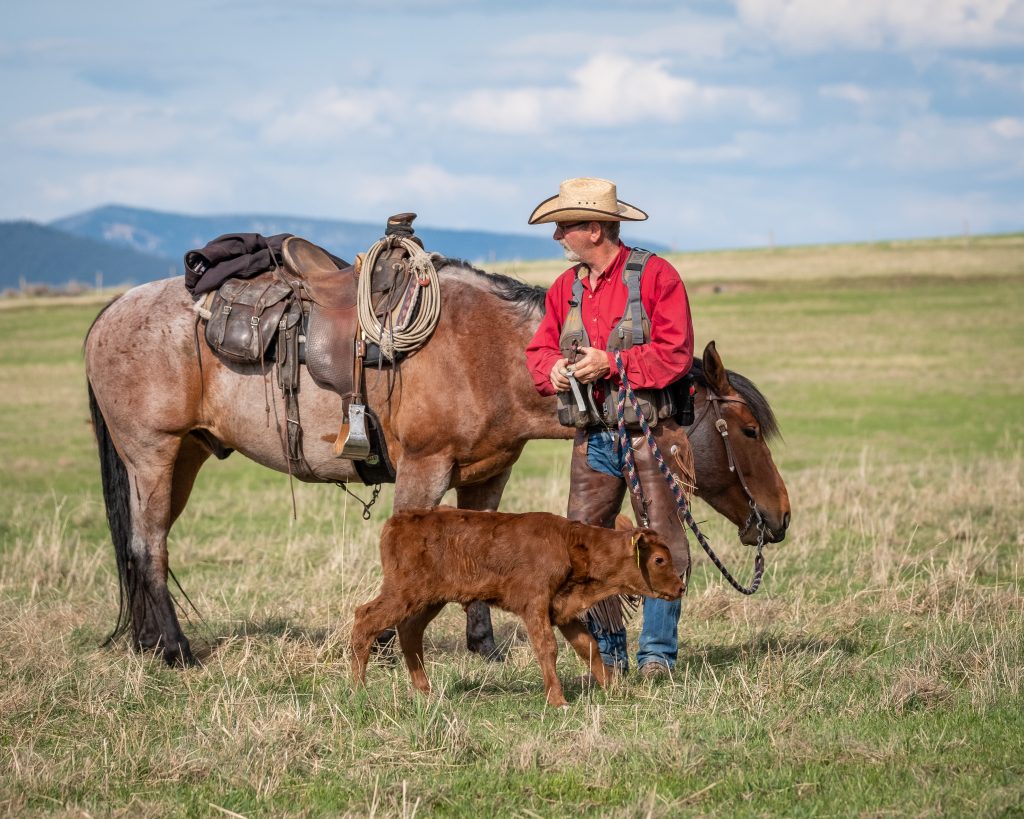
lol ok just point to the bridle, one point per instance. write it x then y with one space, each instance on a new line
714 401
682 504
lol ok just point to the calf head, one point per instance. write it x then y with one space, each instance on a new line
650 567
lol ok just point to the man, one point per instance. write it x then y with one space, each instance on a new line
590 314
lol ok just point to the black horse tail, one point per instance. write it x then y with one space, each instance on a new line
116 496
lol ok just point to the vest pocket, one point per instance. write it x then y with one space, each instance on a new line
570 415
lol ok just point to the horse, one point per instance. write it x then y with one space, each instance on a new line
455 414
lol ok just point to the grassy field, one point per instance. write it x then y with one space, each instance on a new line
878 672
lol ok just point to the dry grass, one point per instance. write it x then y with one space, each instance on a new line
898 594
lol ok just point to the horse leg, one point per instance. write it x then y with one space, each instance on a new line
483 497
190 460
154 621
141 503
420 483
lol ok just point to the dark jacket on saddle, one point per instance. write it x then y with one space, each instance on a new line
235 256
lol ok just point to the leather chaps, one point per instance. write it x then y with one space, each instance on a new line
596 498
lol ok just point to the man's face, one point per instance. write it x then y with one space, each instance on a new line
573 237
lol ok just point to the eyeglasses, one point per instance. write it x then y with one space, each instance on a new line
565 227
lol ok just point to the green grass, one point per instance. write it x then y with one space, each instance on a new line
878 672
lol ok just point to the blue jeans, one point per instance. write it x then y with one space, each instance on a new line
604 453
659 640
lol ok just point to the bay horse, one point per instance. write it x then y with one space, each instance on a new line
455 414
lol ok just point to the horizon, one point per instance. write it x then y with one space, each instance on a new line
754 123
556 252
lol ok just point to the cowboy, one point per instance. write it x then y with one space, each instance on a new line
590 317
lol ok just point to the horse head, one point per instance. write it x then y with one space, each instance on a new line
736 474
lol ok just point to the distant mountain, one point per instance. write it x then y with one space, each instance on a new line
34 254
172 234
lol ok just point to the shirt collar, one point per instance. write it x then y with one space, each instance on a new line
615 268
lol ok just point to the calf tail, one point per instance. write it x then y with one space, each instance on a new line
119 516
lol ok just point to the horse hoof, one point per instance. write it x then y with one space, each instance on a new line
489 651
180 656
385 645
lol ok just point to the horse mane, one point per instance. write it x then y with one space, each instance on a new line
529 299
759 406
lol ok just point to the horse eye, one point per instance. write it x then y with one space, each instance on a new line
750 432
659 561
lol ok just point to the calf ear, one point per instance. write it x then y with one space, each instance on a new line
579 558
642 539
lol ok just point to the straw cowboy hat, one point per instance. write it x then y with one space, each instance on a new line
585 199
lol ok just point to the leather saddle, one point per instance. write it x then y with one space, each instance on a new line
307 312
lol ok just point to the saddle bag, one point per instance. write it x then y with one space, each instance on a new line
244 317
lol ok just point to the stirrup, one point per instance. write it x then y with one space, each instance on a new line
352 441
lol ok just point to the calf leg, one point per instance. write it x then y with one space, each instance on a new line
410 635
585 646
370 619
542 638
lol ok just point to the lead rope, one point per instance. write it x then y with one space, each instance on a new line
682 505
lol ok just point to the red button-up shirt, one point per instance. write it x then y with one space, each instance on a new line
668 355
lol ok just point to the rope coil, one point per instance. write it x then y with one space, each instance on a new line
412 336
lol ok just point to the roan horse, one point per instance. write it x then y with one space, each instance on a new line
456 414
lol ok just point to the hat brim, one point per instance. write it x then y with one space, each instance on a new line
551 210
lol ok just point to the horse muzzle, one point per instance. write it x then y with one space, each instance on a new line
769 529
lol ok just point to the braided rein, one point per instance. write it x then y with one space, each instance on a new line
682 504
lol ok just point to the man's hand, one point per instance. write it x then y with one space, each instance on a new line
558 377
592 365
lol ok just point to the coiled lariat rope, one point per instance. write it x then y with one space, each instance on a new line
683 506
412 336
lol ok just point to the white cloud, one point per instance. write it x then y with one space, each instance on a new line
879 103
429 189
848 92
1008 127
149 186
935 144
816 25
610 90
999 75
105 130
327 115
694 38
914 147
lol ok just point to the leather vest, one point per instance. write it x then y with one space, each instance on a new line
633 329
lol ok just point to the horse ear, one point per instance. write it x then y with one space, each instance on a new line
714 370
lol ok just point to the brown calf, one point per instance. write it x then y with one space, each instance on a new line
542 567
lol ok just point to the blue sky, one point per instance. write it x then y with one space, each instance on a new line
732 123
